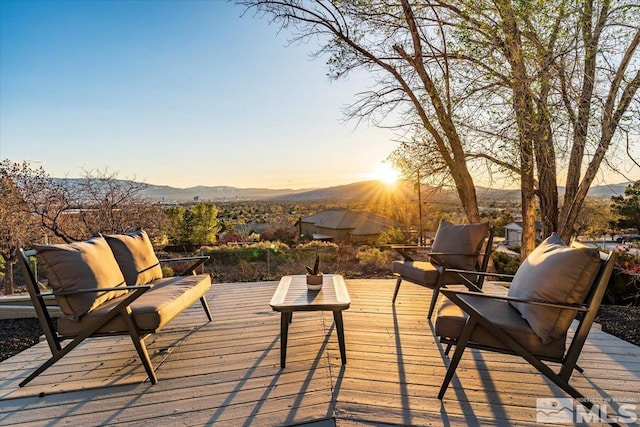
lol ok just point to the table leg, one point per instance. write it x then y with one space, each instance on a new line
337 317
285 319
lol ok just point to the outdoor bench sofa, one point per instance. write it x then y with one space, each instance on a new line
109 285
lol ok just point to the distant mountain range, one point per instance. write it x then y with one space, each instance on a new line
215 194
364 190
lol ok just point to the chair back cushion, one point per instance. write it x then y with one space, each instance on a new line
463 241
77 266
135 256
555 273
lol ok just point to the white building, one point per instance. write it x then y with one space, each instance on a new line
513 233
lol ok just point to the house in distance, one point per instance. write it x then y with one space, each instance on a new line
344 225
513 233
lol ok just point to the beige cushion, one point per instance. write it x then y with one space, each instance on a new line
554 272
152 310
451 320
464 240
77 266
136 257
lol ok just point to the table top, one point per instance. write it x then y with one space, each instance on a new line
292 294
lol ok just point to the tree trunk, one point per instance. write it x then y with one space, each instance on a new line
547 181
452 151
590 40
467 195
528 124
8 278
528 220
527 186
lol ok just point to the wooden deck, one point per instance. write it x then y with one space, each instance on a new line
228 371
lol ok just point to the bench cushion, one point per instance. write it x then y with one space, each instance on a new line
155 308
451 320
135 256
463 240
77 266
556 273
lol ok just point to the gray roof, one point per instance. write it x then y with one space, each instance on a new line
359 222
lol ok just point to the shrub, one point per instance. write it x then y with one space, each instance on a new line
505 263
254 252
328 253
624 286
391 235
374 258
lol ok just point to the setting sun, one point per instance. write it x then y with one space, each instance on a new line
386 173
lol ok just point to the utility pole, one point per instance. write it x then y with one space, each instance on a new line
419 188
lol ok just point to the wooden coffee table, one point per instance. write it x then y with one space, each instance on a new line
292 295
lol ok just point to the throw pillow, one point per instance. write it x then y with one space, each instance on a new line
463 241
557 273
136 257
77 266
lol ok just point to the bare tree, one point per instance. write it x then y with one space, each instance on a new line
36 208
18 226
506 49
75 209
532 88
560 77
610 78
403 47
101 203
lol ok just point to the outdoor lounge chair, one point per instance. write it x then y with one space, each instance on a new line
455 247
88 279
553 285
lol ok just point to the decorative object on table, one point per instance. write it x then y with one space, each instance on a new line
314 279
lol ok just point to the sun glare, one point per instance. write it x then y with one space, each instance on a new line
386 174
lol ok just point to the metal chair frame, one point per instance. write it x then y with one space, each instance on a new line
470 279
568 362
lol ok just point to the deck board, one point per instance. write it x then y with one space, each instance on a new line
228 371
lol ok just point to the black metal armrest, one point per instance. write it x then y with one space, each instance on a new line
404 250
95 290
481 273
577 307
198 261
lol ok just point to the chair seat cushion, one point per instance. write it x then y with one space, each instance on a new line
415 271
451 320
422 273
159 305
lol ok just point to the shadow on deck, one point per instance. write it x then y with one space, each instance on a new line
228 371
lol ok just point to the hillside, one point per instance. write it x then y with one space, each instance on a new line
364 190
216 194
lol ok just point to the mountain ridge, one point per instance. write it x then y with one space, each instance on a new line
361 190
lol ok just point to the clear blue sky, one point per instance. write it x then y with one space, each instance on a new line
178 93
